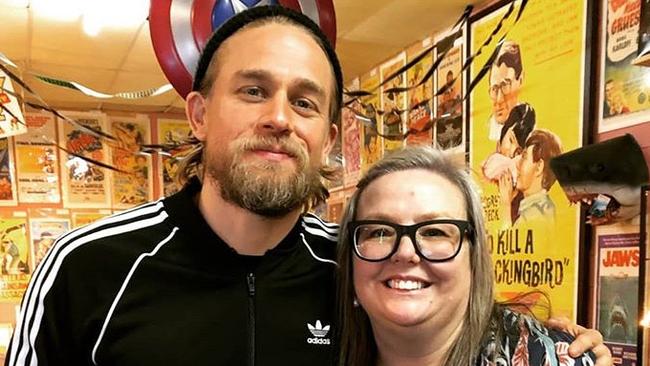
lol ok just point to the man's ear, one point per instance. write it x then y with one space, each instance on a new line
330 140
539 168
195 111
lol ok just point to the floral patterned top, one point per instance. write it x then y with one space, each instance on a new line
525 342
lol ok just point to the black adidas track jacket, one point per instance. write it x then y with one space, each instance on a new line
156 286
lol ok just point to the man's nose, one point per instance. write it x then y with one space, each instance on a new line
277 115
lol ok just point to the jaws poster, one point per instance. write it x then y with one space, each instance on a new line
526 110
618 283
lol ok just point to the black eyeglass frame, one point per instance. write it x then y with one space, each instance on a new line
464 226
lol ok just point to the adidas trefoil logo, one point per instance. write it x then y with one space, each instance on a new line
319 332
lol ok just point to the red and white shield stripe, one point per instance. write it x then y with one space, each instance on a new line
181 28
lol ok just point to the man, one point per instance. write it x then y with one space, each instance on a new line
614 103
535 177
506 77
228 271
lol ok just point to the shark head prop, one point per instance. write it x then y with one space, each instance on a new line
607 176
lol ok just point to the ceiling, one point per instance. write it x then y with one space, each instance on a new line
121 60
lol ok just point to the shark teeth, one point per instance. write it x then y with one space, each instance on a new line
405 284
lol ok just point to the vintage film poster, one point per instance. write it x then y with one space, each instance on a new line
372 144
10 125
335 206
518 123
171 133
617 279
420 100
15 261
84 184
351 134
133 184
43 232
450 125
624 95
335 159
7 177
393 104
37 160
82 218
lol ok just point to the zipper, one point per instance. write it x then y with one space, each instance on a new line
250 280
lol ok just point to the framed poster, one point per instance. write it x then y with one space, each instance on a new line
393 104
372 144
37 160
616 297
450 124
7 177
420 100
624 92
134 184
171 133
519 120
84 184
43 232
81 218
351 134
15 262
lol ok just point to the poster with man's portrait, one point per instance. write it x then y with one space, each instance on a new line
519 121
624 95
15 262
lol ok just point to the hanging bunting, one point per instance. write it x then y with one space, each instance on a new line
152 92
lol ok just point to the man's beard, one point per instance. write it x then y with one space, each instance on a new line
259 186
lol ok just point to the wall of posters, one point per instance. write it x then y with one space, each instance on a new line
84 184
617 275
351 135
624 91
525 111
43 232
420 100
373 146
393 104
171 133
450 126
15 262
37 160
134 184
7 177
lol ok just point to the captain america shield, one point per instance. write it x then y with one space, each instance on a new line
181 28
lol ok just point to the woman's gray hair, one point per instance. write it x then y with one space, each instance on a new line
357 342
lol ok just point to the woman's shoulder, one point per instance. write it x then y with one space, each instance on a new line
522 340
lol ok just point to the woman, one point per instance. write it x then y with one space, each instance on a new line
416 285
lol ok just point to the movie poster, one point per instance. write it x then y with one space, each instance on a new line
450 128
81 218
372 149
43 232
37 160
84 184
624 88
10 125
617 291
393 104
7 177
335 159
420 101
520 119
133 184
15 262
173 134
335 206
351 134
